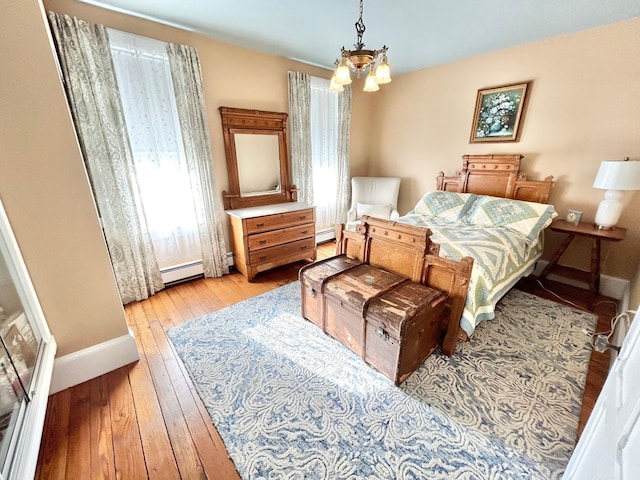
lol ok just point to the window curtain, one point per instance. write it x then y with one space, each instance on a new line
343 189
92 91
300 135
187 82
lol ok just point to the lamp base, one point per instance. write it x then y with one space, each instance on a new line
609 210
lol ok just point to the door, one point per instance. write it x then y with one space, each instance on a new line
609 448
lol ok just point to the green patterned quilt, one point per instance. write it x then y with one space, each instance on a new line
501 256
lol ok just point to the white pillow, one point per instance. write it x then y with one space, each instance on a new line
378 211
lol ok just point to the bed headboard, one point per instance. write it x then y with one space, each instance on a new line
498 176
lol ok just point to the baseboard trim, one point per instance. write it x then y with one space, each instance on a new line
325 235
91 362
613 287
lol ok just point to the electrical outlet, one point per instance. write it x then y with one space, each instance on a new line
601 343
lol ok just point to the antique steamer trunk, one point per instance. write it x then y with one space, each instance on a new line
347 298
403 327
313 278
394 324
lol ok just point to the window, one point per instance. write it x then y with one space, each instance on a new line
324 151
146 89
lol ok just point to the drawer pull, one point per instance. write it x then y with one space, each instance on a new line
303 217
303 247
304 232
262 242
263 257
259 225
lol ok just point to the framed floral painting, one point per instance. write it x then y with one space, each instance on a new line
498 113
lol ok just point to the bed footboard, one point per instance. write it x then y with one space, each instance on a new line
408 251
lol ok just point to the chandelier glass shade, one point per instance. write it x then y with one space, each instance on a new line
359 61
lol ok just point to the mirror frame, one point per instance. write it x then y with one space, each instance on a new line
258 122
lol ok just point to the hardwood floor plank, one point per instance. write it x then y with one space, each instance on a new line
209 445
186 456
79 449
156 445
162 314
225 290
52 460
174 315
264 284
128 456
178 303
209 300
191 301
102 456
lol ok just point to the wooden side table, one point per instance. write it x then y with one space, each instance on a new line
587 230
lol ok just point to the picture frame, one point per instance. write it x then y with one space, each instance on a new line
498 113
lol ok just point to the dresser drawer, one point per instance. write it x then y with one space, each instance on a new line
278 237
272 254
279 220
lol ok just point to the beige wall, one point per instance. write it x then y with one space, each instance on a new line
45 191
584 107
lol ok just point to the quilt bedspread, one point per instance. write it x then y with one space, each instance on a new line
501 257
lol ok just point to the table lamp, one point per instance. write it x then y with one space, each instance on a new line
615 176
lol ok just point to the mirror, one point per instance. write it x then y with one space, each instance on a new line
257 162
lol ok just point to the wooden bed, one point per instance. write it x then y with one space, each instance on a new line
495 175
491 175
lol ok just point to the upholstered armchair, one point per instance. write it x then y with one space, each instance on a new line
373 196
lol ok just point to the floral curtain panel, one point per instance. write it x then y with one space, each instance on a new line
300 135
187 82
343 190
92 90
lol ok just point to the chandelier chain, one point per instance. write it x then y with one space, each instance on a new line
360 28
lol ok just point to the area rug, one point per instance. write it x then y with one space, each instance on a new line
290 402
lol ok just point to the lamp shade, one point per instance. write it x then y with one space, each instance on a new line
341 75
370 84
618 175
383 72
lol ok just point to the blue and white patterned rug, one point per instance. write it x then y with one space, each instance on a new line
292 403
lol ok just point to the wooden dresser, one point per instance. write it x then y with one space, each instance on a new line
269 236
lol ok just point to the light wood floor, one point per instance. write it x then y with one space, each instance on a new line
145 420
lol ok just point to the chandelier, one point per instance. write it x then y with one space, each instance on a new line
359 60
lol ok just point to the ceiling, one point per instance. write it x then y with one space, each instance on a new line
419 33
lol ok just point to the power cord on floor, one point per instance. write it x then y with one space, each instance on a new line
600 341
558 296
